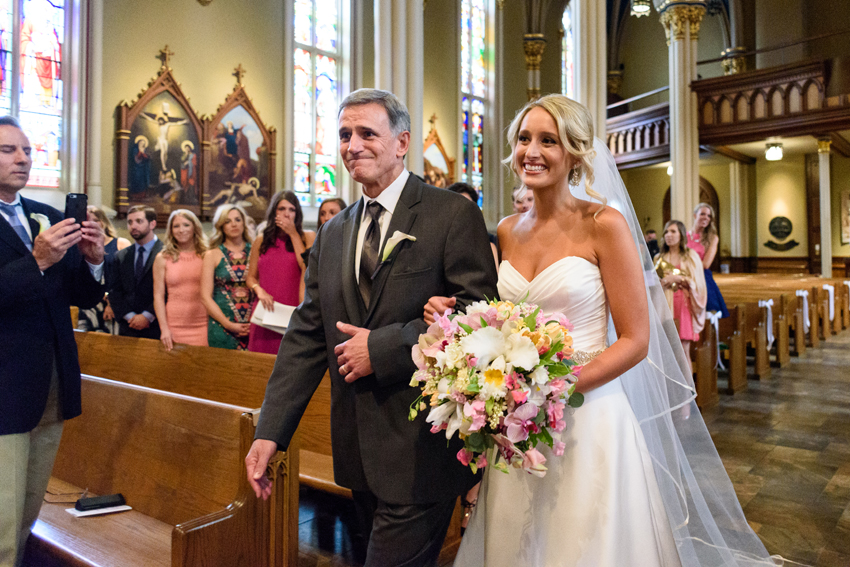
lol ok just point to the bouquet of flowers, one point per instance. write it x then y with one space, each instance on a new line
500 376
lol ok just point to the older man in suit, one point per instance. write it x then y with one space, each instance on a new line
47 264
131 296
361 315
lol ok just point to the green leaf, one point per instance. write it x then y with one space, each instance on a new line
558 369
466 328
576 400
531 320
483 323
475 442
473 467
473 385
488 406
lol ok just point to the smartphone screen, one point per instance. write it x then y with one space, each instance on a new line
75 207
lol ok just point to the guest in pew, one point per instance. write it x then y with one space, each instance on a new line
522 199
680 270
131 295
468 191
276 268
703 240
224 288
329 209
177 276
651 238
47 264
101 318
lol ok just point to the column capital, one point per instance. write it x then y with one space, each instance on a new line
615 81
733 60
824 145
534 44
677 16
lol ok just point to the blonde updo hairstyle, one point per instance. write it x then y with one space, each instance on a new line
575 130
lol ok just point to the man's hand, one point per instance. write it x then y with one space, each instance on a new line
91 245
353 355
139 322
51 245
438 304
108 313
256 461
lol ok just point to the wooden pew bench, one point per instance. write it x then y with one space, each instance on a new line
732 333
704 357
179 462
226 376
782 311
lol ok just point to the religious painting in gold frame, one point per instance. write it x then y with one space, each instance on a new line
239 155
157 145
439 167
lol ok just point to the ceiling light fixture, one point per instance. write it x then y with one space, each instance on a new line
641 7
773 151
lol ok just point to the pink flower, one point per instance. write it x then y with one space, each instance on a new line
519 422
465 457
481 461
519 396
555 415
448 326
471 361
558 448
475 410
557 387
532 461
564 322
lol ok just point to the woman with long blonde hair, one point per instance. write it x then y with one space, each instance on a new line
177 276
703 239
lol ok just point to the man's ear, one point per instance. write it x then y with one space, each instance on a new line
153 224
403 144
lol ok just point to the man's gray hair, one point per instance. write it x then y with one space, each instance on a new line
397 112
10 121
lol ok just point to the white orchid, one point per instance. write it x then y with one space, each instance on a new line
42 220
521 352
393 241
450 413
484 344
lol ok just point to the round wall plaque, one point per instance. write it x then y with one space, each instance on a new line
780 227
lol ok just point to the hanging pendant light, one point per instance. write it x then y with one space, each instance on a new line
641 7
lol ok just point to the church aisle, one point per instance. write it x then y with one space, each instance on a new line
785 442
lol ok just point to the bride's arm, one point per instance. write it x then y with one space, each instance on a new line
624 286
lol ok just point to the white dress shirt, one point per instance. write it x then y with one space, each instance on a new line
388 199
96 270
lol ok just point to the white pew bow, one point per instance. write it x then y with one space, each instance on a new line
769 304
806 321
714 317
831 291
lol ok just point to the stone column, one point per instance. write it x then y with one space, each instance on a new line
739 220
825 213
681 20
534 45
591 76
94 115
399 44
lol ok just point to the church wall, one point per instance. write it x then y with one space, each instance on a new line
840 183
646 187
208 42
825 16
368 35
772 30
643 53
781 191
710 46
441 74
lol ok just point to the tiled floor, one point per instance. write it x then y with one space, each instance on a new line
785 443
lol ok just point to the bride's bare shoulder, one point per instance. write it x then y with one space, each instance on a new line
506 225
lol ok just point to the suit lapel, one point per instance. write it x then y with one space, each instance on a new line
152 256
402 220
354 306
8 234
35 228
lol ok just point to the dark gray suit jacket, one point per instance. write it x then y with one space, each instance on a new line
375 447
129 296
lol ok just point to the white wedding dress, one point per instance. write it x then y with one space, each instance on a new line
599 504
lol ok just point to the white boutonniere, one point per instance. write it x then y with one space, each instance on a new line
397 237
42 220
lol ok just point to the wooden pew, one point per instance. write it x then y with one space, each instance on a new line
704 356
179 462
232 377
732 333
783 310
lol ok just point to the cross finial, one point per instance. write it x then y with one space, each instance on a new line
165 57
239 72
433 120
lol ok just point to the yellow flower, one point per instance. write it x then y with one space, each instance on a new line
494 378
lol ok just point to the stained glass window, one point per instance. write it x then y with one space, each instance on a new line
473 47
316 99
6 41
567 55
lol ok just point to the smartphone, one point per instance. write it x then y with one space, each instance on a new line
75 207
99 502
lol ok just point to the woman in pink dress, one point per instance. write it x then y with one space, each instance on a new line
276 267
177 282
681 272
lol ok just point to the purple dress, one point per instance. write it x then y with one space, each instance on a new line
279 275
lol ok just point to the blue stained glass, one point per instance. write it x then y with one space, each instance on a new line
5 56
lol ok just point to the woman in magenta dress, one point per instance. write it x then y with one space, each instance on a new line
703 240
177 275
681 272
276 268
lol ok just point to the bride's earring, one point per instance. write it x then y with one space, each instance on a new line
575 175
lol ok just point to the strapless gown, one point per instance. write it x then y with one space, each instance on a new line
599 503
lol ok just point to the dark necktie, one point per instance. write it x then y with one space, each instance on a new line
15 223
140 262
371 247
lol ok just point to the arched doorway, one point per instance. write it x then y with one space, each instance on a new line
707 194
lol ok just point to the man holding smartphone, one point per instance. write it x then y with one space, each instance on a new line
47 264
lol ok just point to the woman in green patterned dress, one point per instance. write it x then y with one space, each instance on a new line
224 292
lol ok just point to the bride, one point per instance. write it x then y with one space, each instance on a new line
640 482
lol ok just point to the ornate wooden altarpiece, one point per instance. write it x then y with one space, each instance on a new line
439 167
239 155
158 138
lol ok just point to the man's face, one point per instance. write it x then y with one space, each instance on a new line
139 226
15 160
371 152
